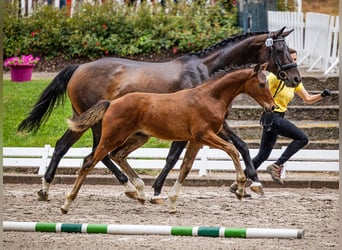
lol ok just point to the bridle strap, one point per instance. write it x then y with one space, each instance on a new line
281 75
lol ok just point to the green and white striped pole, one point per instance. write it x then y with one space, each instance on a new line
153 230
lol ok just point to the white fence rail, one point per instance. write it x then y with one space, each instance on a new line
316 39
292 20
154 158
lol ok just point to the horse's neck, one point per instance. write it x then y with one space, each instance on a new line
232 54
229 86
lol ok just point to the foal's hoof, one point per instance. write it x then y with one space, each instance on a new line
157 200
43 195
257 188
239 196
132 195
64 211
141 201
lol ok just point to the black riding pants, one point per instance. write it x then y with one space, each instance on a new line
283 127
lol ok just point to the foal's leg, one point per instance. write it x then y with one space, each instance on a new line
88 164
175 151
185 168
90 161
61 148
119 155
250 172
122 178
213 140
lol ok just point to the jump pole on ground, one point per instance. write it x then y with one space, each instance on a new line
153 230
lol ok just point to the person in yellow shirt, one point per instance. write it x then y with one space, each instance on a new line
278 125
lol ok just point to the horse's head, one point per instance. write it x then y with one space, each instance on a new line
279 58
257 87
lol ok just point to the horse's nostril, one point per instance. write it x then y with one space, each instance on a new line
297 79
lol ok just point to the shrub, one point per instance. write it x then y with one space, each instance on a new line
96 31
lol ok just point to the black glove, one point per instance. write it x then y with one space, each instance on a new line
325 93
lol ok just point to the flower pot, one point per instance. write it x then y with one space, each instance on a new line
21 73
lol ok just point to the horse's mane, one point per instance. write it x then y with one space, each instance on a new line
224 42
229 69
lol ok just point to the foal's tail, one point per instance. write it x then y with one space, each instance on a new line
52 96
88 118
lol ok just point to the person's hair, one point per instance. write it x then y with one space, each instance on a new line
292 51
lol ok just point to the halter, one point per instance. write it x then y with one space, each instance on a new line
281 74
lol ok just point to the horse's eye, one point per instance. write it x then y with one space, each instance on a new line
262 85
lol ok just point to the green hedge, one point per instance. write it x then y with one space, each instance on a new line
96 31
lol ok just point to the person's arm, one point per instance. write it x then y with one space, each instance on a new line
310 99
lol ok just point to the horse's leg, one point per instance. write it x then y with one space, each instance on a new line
122 178
120 154
213 140
88 164
250 172
171 160
190 155
61 148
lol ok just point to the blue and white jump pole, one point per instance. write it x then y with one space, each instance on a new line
153 230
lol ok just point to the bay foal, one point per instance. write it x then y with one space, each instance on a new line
196 115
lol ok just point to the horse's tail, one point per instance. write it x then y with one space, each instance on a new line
52 96
88 118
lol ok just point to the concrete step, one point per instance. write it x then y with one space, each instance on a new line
316 131
244 99
313 144
319 83
314 113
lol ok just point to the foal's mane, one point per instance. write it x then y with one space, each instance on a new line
224 42
229 69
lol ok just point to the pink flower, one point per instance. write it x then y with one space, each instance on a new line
23 60
174 50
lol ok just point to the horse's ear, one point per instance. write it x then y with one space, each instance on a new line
259 67
279 32
256 68
264 66
285 34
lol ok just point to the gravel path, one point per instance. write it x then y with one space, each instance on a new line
314 210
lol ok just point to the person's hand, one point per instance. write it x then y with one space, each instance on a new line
325 93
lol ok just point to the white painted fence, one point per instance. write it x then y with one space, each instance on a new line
154 158
316 39
292 20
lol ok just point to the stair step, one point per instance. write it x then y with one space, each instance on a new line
320 83
244 99
251 130
318 113
313 144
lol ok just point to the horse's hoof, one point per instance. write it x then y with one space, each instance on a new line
257 188
64 211
141 201
173 211
43 195
132 195
239 196
157 200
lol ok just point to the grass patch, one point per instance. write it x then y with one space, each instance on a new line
18 100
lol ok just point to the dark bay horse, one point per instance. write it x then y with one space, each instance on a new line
195 115
110 78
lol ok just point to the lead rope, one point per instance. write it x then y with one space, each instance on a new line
266 119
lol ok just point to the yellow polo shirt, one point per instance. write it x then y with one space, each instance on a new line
284 95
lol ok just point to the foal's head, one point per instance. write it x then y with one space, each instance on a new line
257 87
